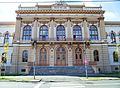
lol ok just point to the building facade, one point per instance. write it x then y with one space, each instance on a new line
64 37
6 45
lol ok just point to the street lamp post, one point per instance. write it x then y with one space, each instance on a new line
86 45
86 72
35 41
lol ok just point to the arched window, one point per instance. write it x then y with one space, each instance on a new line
113 37
43 33
78 56
77 33
60 56
93 32
43 57
6 38
115 56
27 32
25 56
96 55
60 33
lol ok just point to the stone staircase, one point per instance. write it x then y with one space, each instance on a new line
61 70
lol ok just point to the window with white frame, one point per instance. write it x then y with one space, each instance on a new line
27 32
93 32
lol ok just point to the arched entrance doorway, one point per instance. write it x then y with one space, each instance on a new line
43 57
60 56
78 57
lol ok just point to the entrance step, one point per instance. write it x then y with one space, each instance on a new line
61 70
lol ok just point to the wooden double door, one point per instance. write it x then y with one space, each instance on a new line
60 57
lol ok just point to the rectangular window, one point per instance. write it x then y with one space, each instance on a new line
2 69
23 70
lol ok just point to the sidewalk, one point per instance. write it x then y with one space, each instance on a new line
51 78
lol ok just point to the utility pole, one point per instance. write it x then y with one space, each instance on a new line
86 45
35 41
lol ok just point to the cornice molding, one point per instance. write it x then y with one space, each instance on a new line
60 11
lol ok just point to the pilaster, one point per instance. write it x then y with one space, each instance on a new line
52 51
86 37
18 29
70 55
51 31
34 31
102 28
69 29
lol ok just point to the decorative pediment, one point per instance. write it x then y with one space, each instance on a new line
60 5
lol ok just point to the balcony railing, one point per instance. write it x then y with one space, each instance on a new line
55 39
36 8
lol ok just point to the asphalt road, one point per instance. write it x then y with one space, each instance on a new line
17 85
80 84
63 82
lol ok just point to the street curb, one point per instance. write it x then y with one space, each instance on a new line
20 80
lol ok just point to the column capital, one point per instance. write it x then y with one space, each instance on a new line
101 18
18 18
84 19
52 19
36 19
68 19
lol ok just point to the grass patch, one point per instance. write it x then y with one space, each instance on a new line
91 78
10 74
99 78
113 74
15 79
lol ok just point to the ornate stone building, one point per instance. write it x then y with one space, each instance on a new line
6 45
62 39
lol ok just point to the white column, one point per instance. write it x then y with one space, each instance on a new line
17 29
34 30
70 56
86 36
68 29
52 56
102 28
51 33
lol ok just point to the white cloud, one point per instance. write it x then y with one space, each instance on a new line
111 16
7 10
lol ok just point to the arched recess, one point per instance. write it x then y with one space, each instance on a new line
78 57
27 32
93 32
77 33
60 56
43 34
43 57
60 33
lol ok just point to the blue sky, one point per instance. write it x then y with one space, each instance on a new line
7 10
